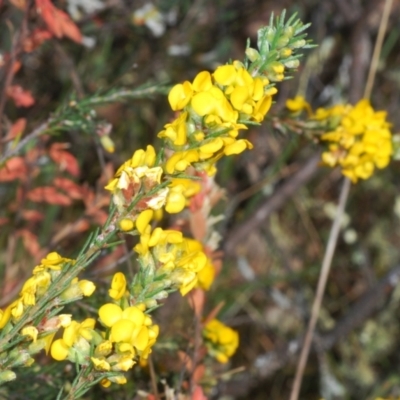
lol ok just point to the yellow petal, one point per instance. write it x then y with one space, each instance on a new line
109 314
143 220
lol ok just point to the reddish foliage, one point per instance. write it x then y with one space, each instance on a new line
48 194
58 22
21 97
71 188
185 360
198 394
64 159
16 129
36 38
196 299
30 242
14 168
70 230
4 221
94 204
32 215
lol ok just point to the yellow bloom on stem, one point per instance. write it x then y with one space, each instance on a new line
87 287
118 286
30 331
361 141
180 95
298 104
205 277
176 131
221 341
126 224
100 364
176 200
181 160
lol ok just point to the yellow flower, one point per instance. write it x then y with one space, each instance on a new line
100 364
298 104
30 331
180 95
205 277
126 224
118 286
221 341
181 160
361 141
176 199
87 287
176 131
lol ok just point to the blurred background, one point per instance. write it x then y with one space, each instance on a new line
279 201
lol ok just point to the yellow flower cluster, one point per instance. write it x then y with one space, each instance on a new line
36 286
178 259
359 138
214 107
138 175
221 341
129 334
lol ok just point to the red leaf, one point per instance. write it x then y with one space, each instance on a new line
71 188
36 38
16 129
48 194
32 215
30 242
4 220
198 394
14 168
69 28
21 97
64 159
196 299
58 22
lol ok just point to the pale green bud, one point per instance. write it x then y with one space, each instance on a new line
150 303
285 52
282 42
292 64
20 357
161 295
288 31
7 376
252 54
37 346
270 34
298 44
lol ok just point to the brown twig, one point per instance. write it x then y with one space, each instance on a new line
40 130
330 249
276 201
269 363
323 278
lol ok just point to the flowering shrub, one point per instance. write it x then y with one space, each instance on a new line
358 138
160 206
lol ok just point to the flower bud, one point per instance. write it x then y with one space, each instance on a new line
270 34
288 31
282 42
292 64
285 52
298 44
20 357
151 303
7 376
252 54
126 225
161 295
